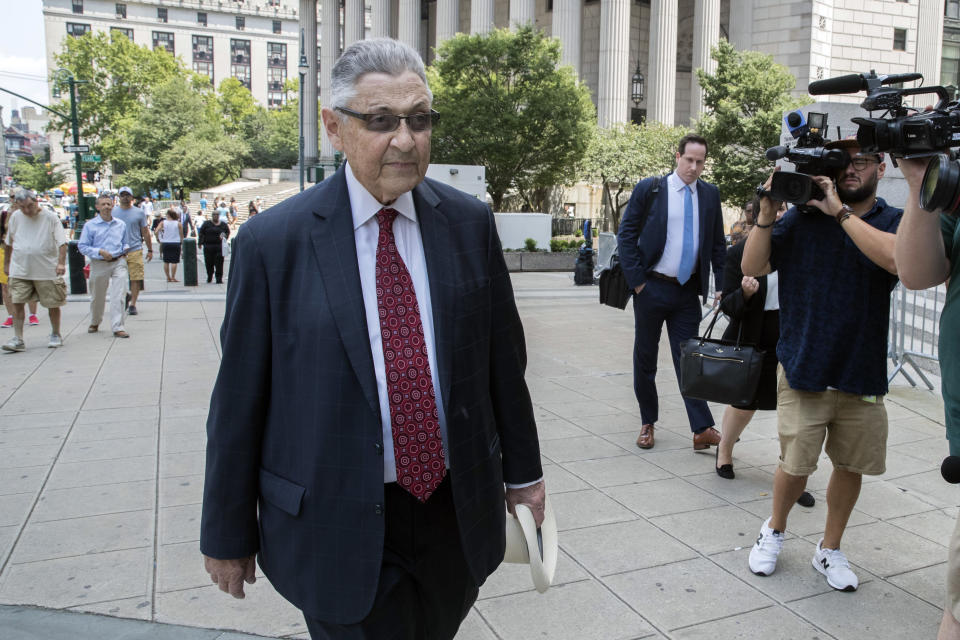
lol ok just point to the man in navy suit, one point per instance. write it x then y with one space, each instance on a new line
371 401
666 256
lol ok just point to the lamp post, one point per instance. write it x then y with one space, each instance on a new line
303 68
637 84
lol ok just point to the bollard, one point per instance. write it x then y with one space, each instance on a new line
189 262
75 263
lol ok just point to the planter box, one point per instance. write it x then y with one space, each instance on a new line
540 261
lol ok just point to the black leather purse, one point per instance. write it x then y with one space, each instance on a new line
718 371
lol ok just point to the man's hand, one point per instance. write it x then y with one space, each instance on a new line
106 255
913 170
230 575
61 269
149 255
830 204
533 496
749 286
639 288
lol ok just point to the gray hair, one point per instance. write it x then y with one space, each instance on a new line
377 55
22 194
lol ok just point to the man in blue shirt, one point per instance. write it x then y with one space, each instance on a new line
104 240
836 271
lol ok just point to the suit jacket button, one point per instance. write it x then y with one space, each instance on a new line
378 509
378 448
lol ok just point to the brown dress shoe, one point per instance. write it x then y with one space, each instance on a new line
645 441
705 438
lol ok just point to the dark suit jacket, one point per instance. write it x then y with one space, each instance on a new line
640 249
748 312
294 425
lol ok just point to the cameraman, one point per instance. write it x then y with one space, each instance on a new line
926 253
836 269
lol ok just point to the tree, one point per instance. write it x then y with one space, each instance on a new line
505 104
237 105
746 99
36 174
624 154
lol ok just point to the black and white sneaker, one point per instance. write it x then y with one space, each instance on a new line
834 565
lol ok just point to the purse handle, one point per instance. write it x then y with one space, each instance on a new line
706 336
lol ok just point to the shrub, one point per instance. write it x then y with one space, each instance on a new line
530 244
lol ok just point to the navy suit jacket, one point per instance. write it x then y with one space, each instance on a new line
640 249
295 447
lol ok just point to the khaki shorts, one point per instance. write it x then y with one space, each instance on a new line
50 293
855 428
953 573
135 264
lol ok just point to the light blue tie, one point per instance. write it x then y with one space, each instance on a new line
688 256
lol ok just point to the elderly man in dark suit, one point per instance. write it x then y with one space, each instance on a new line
668 238
371 402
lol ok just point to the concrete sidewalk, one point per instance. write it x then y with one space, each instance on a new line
101 474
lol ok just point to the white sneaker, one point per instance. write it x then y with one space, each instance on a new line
763 555
834 565
55 341
14 344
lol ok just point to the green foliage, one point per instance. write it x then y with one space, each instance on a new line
530 244
746 99
565 244
505 105
33 173
624 154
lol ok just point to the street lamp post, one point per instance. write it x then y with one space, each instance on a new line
637 84
304 69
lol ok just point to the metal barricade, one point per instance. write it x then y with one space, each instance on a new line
914 333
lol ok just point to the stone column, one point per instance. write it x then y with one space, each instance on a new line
380 18
353 22
329 52
522 12
481 16
706 34
929 47
662 69
567 18
408 23
614 79
448 20
308 22
741 24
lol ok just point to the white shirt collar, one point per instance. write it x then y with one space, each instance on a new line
364 206
676 184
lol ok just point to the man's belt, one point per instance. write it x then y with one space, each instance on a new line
663 276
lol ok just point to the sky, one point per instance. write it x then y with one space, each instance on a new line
23 67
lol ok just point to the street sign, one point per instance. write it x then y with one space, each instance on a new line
76 148
91 157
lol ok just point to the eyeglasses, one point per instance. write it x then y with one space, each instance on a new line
862 163
387 122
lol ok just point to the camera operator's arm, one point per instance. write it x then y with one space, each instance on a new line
919 252
877 245
756 252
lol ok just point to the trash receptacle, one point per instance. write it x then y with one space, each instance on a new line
75 264
189 262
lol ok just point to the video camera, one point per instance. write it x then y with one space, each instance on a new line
808 155
907 132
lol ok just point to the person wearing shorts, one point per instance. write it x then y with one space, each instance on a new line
34 260
835 273
138 233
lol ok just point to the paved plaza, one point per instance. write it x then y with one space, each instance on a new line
101 475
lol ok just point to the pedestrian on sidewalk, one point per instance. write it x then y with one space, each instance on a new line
251 210
234 213
836 270
213 233
104 240
138 234
170 237
32 318
35 260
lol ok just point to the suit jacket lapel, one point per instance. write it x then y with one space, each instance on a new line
336 252
438 251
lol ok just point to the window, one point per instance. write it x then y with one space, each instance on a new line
203 69
163 39
952 9
241 23
121 10
549 6
240 61
114 31
276 54
276 78
277 26
76 30
78 6
275 99
161 14
203 56
242 73
318 66
201 18
899 39
950 67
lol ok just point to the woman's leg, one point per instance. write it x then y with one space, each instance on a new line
733 424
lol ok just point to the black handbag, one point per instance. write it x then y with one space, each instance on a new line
614 290
718 371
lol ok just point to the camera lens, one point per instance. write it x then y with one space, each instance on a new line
941 185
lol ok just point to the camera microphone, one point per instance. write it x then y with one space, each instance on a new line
950 469
775 153
894 78
843 84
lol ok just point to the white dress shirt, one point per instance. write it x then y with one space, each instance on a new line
669 263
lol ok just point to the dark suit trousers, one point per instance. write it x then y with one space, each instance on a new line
213 259
679 306
425 589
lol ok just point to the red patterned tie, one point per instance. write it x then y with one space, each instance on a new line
417 447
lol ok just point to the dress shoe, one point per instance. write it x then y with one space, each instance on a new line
645 441
806 500
705 438
93 328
